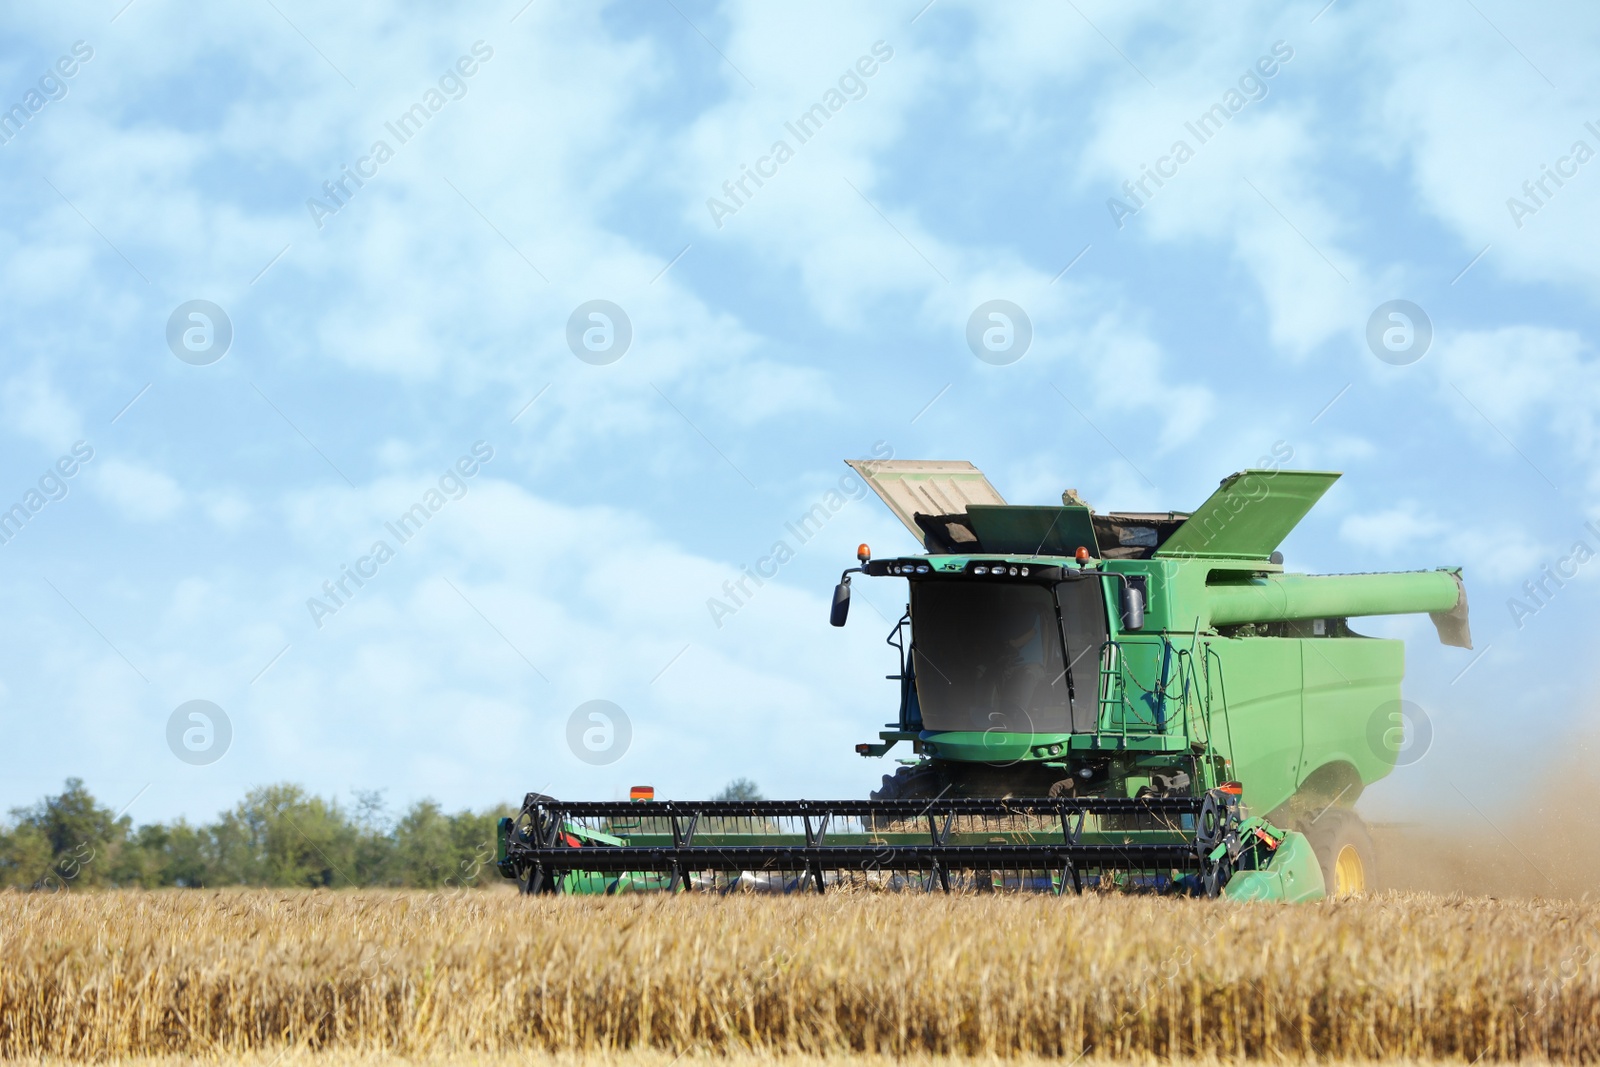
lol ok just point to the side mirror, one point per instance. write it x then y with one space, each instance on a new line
1131 604
841 602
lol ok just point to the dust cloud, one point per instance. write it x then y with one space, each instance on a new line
1535 838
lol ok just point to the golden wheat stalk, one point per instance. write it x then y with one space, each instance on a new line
118 974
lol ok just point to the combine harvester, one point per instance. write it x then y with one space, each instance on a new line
1092 701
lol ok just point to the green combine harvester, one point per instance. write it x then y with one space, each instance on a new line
1136 701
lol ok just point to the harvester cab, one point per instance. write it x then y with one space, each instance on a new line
1140 700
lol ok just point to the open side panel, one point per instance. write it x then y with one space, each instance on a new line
1135 534
1249 515
1016 530
926 486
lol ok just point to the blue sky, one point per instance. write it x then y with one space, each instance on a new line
375 345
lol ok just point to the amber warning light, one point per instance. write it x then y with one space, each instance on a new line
863 553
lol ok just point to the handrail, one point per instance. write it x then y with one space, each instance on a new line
1196 686
1183 679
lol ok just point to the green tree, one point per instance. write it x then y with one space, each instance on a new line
375 860
424 847
740 789
473 834
280 836
434 850
25 857
65 840
176 855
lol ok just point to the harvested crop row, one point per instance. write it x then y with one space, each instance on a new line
119 974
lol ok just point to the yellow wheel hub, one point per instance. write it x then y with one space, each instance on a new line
1349 875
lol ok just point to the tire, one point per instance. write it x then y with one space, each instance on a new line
1344 852
919 782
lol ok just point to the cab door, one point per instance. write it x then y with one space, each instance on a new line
1082 604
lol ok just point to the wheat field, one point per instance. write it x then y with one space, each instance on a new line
487 973
300 1057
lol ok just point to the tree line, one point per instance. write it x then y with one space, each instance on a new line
278 835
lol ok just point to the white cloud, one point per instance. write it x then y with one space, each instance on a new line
139 492
35 407
1474 117
230 511
1518 386
1493 551
1521 374
1391 529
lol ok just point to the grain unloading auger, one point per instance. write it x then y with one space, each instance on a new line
1091 701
